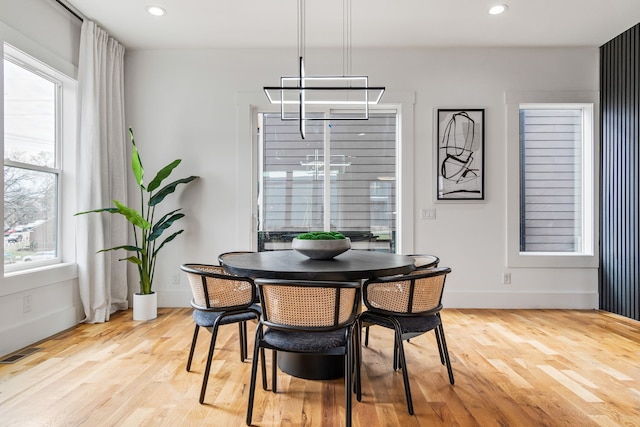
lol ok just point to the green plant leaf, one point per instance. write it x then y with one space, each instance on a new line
132 216
167 240
159 228
167 215
163 219
321 235
136 162
110 210
125 247
168 189
164 173
132 259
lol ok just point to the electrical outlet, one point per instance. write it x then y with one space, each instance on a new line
506 278
27 304
175 279
428 214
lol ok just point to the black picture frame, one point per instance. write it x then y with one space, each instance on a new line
460 154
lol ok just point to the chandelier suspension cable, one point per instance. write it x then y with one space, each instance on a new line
295 93
346 37
302 42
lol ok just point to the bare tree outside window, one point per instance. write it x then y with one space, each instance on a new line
30 164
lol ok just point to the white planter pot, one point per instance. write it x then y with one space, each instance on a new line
145 307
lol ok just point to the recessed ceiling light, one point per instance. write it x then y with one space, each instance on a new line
498 9
156 10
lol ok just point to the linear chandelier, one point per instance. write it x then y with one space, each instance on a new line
296 93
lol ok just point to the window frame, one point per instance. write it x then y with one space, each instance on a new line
327 188
64 135
248 104
589 102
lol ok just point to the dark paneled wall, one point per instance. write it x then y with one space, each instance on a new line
620 193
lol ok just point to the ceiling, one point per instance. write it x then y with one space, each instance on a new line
375 23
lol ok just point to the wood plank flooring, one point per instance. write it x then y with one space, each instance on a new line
512 368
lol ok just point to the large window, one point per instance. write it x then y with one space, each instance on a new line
32 108
552 178
341 177
552 200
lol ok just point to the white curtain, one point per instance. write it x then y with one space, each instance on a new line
101 174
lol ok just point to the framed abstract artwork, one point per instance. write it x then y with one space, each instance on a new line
460 156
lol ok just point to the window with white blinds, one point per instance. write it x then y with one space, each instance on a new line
552 204
341 177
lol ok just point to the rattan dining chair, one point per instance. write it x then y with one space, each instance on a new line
410 305
311 317
421 262
219 299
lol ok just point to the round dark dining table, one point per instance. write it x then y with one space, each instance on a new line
289 264
352 265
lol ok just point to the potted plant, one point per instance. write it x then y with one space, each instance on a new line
321 244
147 230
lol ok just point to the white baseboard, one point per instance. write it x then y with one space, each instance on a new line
25 334
514 300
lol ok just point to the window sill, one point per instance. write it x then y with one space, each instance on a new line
23 280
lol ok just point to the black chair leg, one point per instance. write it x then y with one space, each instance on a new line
205 379
243 341
357 336
246 347
348 366
193 347
445 350
396 362
366 336
439 341
254 373
274 371
405 374
264 369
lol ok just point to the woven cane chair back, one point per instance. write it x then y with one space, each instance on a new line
213 288
308 304
413 293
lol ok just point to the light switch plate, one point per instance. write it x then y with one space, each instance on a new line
428 214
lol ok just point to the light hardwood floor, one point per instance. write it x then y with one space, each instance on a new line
512 368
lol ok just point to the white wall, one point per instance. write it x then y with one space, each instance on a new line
41 29
194 105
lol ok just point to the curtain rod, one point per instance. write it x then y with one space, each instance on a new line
71 11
